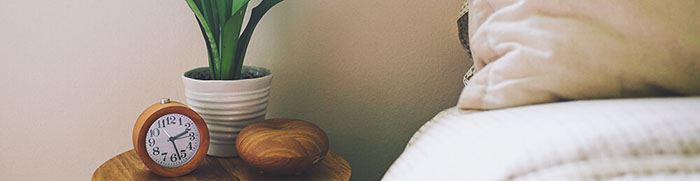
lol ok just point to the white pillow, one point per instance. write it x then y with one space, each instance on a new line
538 51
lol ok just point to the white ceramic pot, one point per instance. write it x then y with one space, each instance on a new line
227 106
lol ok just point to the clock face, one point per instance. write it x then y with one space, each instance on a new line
172 140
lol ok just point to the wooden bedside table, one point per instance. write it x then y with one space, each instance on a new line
127 166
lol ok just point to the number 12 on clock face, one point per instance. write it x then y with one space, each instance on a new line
172 140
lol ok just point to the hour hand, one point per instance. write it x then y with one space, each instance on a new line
183 133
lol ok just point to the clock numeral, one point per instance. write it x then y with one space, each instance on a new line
165 154
171 120
166 121
161 123
184 154
156 151
173 157
151 142
189 146
180 119
188 125
191 135
155 132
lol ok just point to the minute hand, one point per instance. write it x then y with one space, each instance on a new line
176 150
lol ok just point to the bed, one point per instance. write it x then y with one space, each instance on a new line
569 90
618 139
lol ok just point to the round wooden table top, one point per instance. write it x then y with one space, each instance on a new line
127 166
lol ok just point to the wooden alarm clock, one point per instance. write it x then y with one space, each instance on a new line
170 138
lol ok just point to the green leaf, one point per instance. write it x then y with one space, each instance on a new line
229 43
223 11
210 56
238 4
208 35
255 17
209 16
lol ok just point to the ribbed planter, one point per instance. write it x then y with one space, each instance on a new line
227 106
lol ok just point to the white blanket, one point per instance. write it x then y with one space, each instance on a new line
624 139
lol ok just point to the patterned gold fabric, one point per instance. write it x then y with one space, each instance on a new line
463 26
463 30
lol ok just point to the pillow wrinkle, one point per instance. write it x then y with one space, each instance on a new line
493 50
508 89
478 17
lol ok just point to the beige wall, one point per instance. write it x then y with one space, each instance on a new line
75 74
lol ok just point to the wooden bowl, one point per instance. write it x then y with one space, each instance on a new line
282 146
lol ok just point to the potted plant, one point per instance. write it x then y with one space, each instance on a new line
227 94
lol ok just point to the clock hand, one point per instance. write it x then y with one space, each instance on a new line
166 133
182 137
172 140
176 150
183 133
